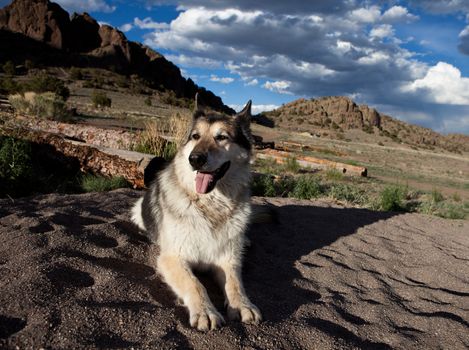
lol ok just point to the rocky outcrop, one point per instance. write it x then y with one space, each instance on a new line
83 42
38 19
342 113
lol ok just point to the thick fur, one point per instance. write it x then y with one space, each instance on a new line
203 231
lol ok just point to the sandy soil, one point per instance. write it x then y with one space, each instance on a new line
75 274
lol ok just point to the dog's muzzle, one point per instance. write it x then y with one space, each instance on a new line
205 181
197 160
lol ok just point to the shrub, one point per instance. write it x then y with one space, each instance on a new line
147 101
436 196
392 198
291 165
334 174
9 68
152 140
47 105
348 193
263 186
76 74
15 166
100 99
9 86
46 83
307 187
93 183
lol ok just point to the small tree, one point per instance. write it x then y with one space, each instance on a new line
9 68
100 99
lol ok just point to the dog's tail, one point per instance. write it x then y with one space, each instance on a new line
137 217
263 214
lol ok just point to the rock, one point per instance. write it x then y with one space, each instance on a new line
85 35
38 19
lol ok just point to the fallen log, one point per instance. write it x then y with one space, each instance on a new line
312 162
96 159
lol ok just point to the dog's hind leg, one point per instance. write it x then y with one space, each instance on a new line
178 275
238 304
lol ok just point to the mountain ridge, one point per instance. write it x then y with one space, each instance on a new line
79 40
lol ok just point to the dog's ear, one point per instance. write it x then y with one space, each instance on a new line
245 115
199 108
243 120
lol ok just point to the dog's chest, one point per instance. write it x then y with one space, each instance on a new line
207 231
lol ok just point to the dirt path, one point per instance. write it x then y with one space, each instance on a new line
75 274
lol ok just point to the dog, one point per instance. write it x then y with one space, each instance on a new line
196 211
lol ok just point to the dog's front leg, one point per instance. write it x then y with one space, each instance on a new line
178 275
239 306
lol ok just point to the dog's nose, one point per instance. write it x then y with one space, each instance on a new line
197 160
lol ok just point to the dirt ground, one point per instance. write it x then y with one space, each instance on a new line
75 274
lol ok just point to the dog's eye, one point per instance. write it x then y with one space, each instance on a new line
221 137
195 136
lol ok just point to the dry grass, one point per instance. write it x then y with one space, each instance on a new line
163 137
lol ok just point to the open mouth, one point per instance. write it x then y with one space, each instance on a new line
206 181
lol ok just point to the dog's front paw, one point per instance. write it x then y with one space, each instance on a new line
248 313
207 319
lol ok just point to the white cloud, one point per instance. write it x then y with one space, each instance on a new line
398 14
148 23
278 86
256 109
442 84
382 31
252 82
126 27
366 15
86 5
223 80
194 61
464 41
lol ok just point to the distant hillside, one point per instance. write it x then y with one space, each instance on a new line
42 32
339 114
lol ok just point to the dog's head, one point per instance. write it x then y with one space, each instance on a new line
217 144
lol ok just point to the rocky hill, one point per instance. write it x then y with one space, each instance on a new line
339 113
44 33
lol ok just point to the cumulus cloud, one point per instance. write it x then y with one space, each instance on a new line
442 84
280 86
252 82
126 27
256 109
382 31
223 80
86 5
398 14
442 6
366 15
194 61
464 41
148 23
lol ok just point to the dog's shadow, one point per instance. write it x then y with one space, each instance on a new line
269 266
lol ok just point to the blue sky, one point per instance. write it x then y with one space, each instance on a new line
409 59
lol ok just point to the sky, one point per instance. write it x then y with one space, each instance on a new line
408 59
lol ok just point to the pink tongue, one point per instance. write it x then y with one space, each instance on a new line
202 180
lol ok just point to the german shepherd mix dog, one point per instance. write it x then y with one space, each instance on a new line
196 211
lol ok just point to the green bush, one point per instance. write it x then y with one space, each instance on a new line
436 196
76 74
45 83
15 166
93 183
9 68
9 86
291 165
100 99
263 186
348 193
307 187
392 198
147 101
47 105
